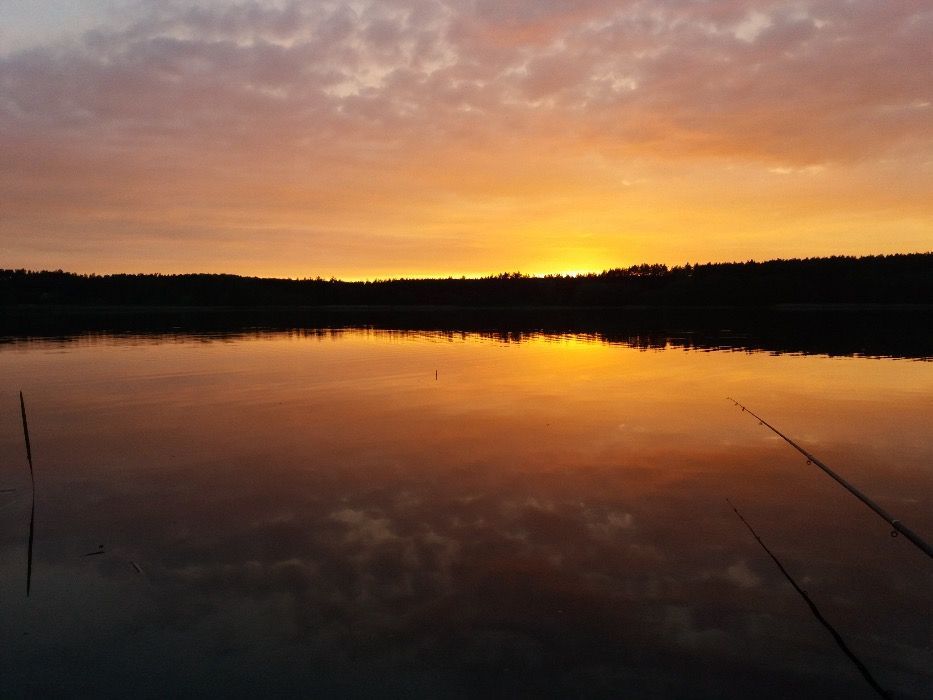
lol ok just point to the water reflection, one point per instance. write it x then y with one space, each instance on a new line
860 331
316 514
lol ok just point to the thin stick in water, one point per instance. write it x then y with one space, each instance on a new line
32 510
866 674
32 530
22 408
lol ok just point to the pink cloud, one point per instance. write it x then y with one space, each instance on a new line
321 96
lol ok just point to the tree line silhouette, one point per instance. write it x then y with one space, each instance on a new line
878 279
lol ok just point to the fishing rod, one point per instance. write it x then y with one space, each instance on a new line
898 526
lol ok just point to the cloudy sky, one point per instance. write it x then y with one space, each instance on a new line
444 137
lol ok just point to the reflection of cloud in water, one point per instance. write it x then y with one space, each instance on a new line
381 536
531 583
679 622
741 575
527 581
737 573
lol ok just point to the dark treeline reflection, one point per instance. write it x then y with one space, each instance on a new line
901 279
876 333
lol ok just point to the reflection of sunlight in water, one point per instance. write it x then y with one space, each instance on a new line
545 516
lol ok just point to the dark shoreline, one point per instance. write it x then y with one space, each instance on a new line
880 279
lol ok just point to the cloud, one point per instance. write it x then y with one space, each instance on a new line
422 101
790 82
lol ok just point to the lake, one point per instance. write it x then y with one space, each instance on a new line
369 512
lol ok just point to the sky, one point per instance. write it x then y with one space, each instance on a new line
387 138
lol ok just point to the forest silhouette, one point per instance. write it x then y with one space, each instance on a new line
880 279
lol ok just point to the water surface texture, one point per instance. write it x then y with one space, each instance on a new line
422 514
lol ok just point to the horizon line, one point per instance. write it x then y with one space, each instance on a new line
511 273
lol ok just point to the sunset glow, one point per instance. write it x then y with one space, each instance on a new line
374 139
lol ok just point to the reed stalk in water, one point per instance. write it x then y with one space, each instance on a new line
32 510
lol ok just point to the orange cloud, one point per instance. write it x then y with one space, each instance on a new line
420 136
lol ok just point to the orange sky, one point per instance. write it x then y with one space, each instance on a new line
442 137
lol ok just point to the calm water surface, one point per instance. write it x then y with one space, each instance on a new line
315 514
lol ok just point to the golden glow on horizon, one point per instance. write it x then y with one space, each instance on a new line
532 138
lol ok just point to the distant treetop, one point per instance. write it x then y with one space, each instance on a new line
878 279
